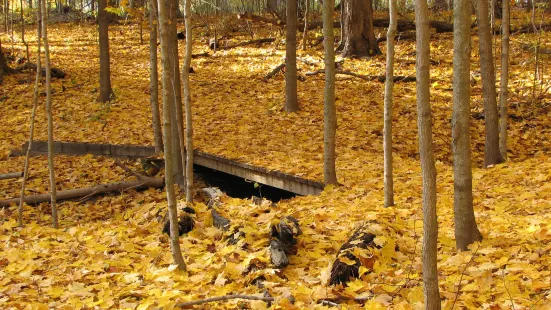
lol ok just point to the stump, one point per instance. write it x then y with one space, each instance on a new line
347 265
213 43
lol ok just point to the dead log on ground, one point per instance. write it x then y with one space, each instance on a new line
274 71
260 19
245 43
534 49
56 73
205 54
529 28
283 241
213 197
378 78
11 175
88 191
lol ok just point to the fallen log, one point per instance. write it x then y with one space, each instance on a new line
534 49
205 54
55 72
249 42
213 197
273 72
88 191
378 78
260 19
11 175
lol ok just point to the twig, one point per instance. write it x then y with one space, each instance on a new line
379 78
505 285
462 274
223 298
11 175
330 303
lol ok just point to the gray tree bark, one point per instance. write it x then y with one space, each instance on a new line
430 221
187 102
167 43
389 85
330 111
466 230
492 155
505 23
291 101
105 90
55 222
154 77
33 114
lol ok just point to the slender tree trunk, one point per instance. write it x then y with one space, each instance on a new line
504 81
49 114
305 33
291 101
187 102
2 64
330 111
389 84
33 114
466 230
430 221
105 90
23 31
167 42
154 77
492 155
358 35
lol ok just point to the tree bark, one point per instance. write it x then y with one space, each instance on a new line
291 101
51 170
305 32
389 84
492 155
33 114
505 23
466 230
358 36
105 90
430 221
23 30
154 77
166 22
187 102
330 111
2 63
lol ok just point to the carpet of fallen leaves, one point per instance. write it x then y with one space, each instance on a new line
109 252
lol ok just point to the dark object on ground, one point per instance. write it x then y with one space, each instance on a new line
151 166
55 72
283 241
181 35
185 222
341 272
213 43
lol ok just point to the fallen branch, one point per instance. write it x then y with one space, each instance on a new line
250 42
378 78
87 191
205 54
56 73
223 298
274 71
11 175
539 50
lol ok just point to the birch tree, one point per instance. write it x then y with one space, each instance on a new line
187 101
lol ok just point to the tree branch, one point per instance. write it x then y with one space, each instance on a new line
223 298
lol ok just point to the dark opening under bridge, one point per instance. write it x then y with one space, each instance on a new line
257 174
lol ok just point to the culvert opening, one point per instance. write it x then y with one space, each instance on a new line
238 187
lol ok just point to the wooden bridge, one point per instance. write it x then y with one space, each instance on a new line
257 174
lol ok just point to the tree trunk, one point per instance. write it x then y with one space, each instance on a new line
154 77
305 33
187 102
466 230
330 111
505 22
105 90
33 114
358 36
168 38
430 221
49 114
389 84
491 145
2 64
23 30
291 101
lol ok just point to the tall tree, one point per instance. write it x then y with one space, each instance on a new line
466 230
33 114
154 77
305 32
168 39
291 101
358 35
330 111
23 29
505 23
105 90
492 155
3 64
51 169
187 101
389 84
424 120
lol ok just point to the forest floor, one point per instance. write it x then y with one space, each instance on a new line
110 253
